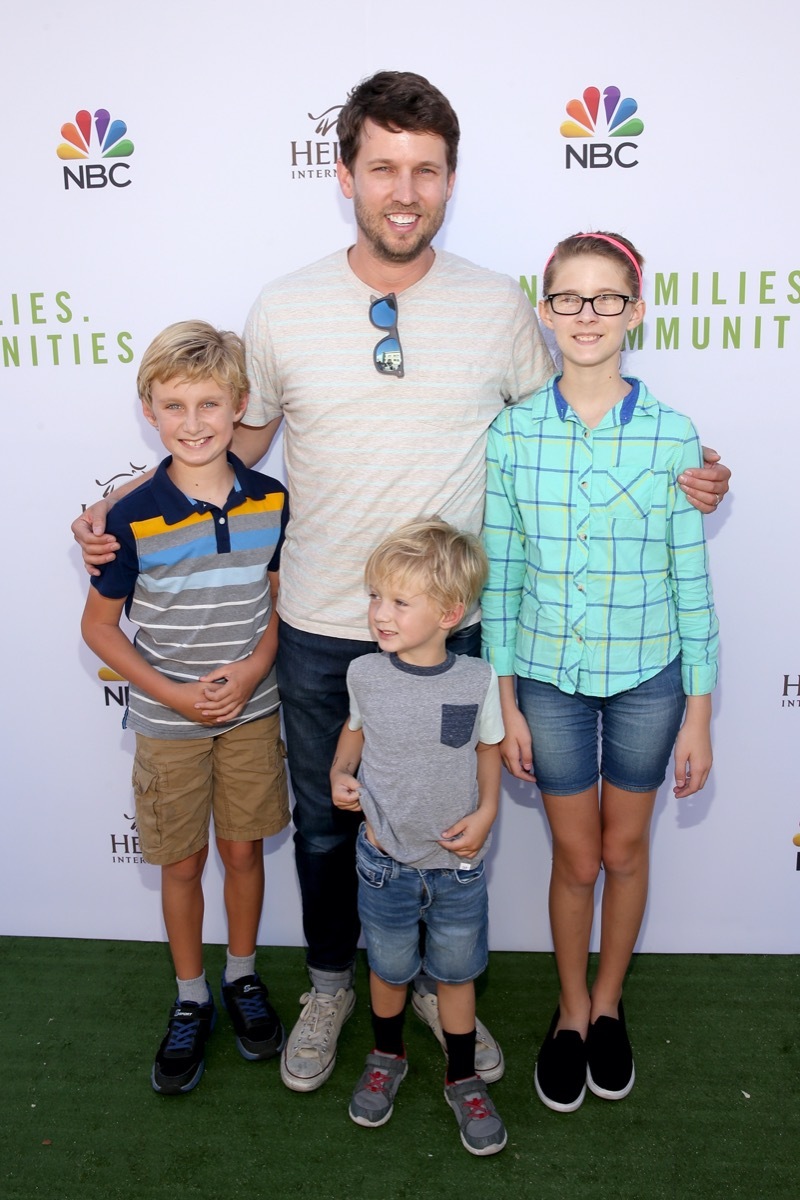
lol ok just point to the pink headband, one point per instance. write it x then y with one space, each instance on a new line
603 237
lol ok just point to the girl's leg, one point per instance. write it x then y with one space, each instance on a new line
576 832
625 820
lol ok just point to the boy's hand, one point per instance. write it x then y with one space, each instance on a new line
96 545
186 698
466 837
705 486
227 690
345 791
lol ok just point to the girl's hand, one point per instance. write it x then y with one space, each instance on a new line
693 755
516 748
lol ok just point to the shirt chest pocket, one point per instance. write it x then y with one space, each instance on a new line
625 495
458 723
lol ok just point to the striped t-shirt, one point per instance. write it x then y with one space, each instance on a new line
195 579
367 451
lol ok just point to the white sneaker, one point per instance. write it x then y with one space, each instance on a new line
489 1061
309 1055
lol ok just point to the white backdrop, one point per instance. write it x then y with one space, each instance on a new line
230 182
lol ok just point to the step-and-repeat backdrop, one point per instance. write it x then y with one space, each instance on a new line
166 160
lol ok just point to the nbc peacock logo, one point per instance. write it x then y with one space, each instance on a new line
95 136
619 120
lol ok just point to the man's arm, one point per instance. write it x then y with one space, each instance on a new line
705 486
250 444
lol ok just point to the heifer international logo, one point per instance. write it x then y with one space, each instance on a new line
95 137
315 157
620 123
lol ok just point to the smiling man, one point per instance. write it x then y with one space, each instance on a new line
387 362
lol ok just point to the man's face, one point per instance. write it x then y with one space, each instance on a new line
400 186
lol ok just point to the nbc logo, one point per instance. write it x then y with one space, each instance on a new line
620 122
100 137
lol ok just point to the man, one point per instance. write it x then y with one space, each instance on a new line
387 362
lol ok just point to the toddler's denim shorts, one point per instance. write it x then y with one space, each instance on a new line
393 899
637 735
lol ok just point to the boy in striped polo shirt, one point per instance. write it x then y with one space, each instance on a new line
198 573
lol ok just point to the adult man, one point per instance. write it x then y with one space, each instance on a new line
375 434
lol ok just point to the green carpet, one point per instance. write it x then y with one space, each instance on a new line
715 1112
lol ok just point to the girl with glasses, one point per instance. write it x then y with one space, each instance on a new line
598 617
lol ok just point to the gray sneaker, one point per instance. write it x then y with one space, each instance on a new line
309 1055
482 1131
489 1061
373 1098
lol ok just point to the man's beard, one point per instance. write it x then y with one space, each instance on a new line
373 230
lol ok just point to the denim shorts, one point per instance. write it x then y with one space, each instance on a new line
637 734
392 901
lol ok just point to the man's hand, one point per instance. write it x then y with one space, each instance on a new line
705 486
97 546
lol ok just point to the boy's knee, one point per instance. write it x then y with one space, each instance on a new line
241 857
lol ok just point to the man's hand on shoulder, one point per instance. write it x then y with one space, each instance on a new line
97 546
705 486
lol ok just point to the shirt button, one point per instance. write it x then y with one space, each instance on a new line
222 520
582 537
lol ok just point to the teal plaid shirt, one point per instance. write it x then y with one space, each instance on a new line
598 572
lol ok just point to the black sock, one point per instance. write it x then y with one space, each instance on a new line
460 1055
388 1033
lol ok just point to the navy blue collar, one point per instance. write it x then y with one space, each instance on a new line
411 669
175 505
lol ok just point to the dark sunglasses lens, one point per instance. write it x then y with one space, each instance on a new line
383 312
388 356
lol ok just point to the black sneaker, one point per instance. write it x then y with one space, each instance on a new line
180 1059
560 1074
609 1073
259 1032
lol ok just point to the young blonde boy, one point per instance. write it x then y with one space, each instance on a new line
197 571
420 758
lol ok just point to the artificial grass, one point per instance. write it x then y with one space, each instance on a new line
714 1114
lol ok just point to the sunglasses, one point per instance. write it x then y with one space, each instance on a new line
388 353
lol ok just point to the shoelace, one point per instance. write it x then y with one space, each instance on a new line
182 1033
477 1107
318 1019
252 1006
377 1080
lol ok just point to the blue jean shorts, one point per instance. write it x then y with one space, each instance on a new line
392 901
637 733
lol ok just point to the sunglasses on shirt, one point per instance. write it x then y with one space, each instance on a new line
388 353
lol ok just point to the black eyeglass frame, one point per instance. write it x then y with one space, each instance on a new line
589 300
391 335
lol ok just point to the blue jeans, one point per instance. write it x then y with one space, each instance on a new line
639 728
393 899
312 680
